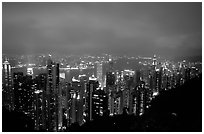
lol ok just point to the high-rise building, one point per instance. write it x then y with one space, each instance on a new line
52 94
64 105
73 108
18 90
110 90
7 88
24 94
92 86
99 103
137 77
77 99
30 71
110 87
100 74
140 98
110 65
40 83
158 80
110 79
154 63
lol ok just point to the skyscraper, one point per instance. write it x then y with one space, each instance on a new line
140 98
100 103
110 79
7 88
40 83
99 74
77 101
154 63
24 94
110 90
92 86
52 94
158 80
18 91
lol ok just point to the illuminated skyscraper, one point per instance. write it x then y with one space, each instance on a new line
24 94
140 98
158 80
40 83
154 63
77 94
52 95
92 86
18 90
73 108
63 106
137 77
99 73
100 103
110 65
110 86
110 90
110 79
30 71
7 88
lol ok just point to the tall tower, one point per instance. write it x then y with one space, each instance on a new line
140 99
76 101
23 94
40 101
110 68
7 89
99 74
18 85
110 86
92 86
52 94
154 63
100 103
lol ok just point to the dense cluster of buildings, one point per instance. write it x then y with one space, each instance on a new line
54 103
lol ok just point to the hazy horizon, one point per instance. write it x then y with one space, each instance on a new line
166 29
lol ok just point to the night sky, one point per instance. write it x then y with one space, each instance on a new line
167 29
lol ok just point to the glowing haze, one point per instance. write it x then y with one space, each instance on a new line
168 29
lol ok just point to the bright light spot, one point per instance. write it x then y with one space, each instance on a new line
78 97
62 75
155 93
74 96
30 71
95 95
92 78
38 91
75 80
157 69
81 75
174 114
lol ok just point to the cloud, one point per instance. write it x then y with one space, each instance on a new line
139 28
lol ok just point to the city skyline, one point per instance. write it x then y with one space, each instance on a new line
167 29
61 96
101 67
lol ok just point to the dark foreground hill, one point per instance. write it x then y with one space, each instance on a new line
13 121
179 109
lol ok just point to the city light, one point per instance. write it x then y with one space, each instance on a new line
102 67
